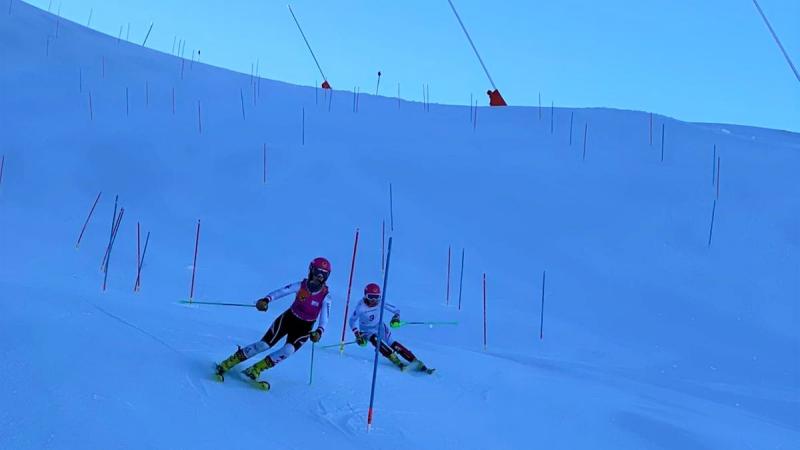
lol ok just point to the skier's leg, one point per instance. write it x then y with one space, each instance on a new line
407 354
296 331
296 336
384 349
278 329
274 333
241 355
387 352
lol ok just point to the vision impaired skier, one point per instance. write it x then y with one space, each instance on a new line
365 323
310 302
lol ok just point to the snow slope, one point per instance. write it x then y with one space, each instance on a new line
652 339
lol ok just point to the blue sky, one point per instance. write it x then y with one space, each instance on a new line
711 61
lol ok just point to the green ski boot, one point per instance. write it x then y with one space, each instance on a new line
396 361
228 364
255 370
421 367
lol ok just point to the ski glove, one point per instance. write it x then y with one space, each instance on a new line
361 340
263 304
316 335
395 322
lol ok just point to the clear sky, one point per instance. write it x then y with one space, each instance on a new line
707 60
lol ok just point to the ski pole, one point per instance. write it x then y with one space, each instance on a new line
402 323
216 303
311 372
337 345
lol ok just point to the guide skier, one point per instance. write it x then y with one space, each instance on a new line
311 302
365 323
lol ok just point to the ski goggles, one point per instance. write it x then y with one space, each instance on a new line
374 297
315 272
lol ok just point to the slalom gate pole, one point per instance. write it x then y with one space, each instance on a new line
141 264
541 320
380 337
383 244
194 263
349 288
711 229
391 209
148 34
138 254
91 211
110 235
447 294
111 245
461 280
484 311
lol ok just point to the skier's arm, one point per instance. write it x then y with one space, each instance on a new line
391 308
262 304
284 291
322 322
395 322
353 321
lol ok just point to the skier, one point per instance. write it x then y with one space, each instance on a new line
310 302
365 320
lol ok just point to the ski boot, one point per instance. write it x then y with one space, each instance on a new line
255 370
396 361
228 364
421 367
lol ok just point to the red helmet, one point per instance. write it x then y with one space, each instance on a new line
372 294
319 266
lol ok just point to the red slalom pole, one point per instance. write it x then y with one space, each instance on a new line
447 295
349 287
194 263
91 211
484 311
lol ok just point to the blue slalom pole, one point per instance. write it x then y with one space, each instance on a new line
461 280
711 230
541 320
380 336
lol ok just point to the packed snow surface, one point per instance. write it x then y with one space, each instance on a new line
652 339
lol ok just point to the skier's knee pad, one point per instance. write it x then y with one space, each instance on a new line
255 348
282 353
403 351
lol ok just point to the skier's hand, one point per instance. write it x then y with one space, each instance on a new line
316 335
395 322
263 304
361 340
